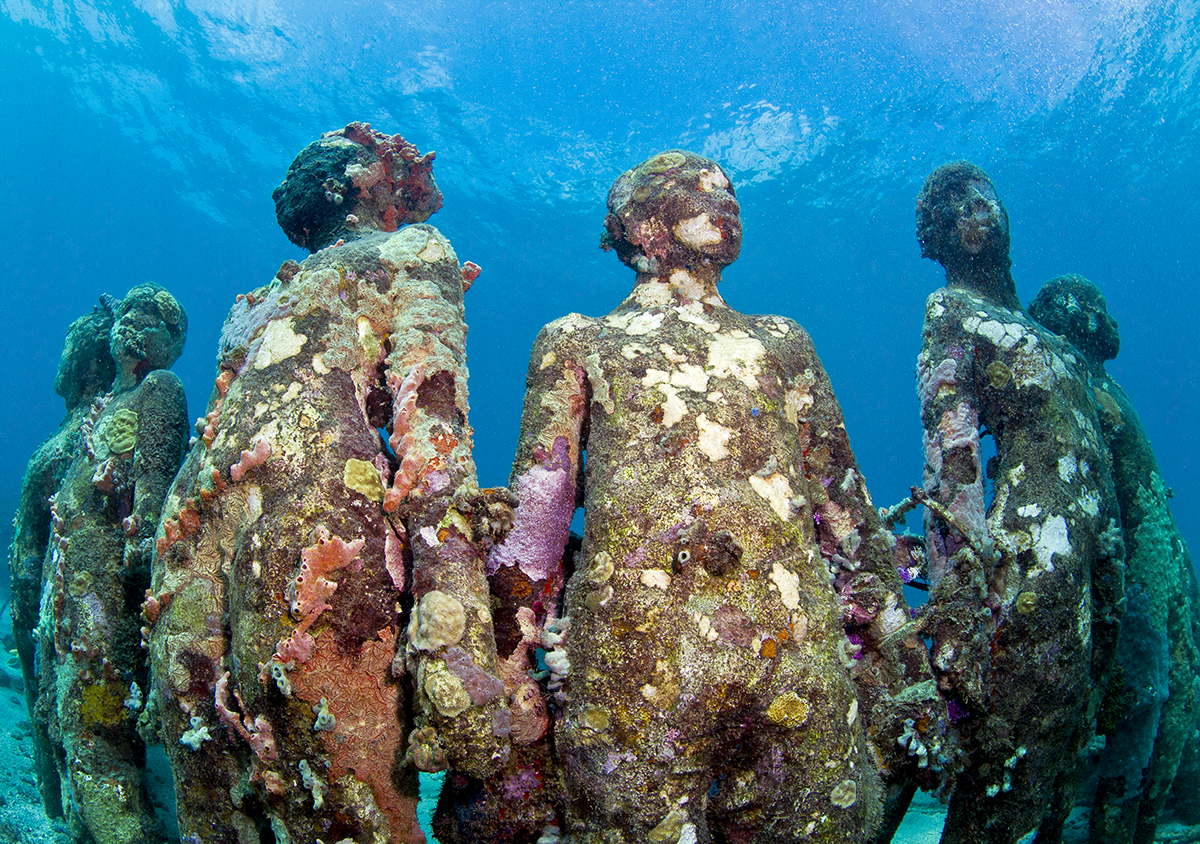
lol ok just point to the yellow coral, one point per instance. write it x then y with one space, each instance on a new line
788 710
102 704
1026 602
663 162
999 375
362 477
122 430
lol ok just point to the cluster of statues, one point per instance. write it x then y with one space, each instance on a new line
314 601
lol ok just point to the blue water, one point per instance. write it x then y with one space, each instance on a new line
142 139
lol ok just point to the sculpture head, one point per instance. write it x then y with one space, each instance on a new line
960 219
675 210
148 332
85 367
1072 306
353 182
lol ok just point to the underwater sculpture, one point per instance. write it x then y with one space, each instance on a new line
1024 593
330 488
92 676
701 668
1152 708
85 371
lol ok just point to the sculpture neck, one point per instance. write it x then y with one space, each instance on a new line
991 280
694 284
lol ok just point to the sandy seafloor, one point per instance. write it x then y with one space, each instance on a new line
23 822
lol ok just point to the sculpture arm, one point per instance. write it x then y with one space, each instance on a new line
162 442
958 547
528 566
892 670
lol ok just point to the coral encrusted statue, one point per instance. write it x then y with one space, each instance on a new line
93 678
700 667
85 371
1025 588
330 488
1151 712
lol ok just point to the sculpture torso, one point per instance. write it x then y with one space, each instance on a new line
702 615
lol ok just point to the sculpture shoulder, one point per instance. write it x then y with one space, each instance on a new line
778 327
951 303
161 382
160 395
567 331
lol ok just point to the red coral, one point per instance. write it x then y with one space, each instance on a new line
153 606
256 732
470 271
364 703
308 591
250 459
184 524
402 441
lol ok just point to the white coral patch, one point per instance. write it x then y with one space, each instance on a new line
652 294
892 617
687 284
670 354
656 579
595 373
693 314
433 251
1004 336
1068 465
636 323
704 624
777 491
1029 511
713 438
1049 538
1089 502
710 179
690 376
697 232
279 342
796 401
788 584
1016 474
731 356
673 407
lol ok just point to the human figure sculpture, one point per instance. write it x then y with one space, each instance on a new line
319 565
92 676
1153 705
1024 590
85 371
699 662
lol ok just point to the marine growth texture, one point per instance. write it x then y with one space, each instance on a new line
700 666
1150 711
1025 587
320 628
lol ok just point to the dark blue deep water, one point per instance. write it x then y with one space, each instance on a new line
142 138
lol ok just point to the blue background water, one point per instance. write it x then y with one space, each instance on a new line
142 140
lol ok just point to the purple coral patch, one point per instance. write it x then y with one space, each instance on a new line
480 685
542 520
